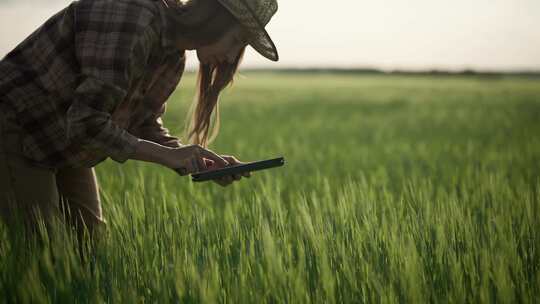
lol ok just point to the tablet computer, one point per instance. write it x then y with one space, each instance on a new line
238 169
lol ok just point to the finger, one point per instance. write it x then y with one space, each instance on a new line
219 182
238 162
222 182
247 174
209 163
237 177
231 159
213 156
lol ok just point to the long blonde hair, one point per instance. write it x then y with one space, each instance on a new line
211 81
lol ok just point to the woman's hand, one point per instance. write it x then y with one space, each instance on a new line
194 158
191 159
227 180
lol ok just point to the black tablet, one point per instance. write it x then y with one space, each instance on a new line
238 169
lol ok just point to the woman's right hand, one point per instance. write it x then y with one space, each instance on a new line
189 159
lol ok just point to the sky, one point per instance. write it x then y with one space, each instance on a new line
384 34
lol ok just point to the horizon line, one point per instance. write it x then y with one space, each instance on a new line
372 70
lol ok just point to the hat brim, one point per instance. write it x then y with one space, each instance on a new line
261 43
259 38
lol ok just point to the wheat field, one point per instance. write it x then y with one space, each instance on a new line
397 189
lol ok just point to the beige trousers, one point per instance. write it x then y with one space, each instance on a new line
30 190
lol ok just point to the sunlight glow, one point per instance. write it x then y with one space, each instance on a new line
389 34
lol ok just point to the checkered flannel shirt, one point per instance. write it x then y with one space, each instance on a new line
90 81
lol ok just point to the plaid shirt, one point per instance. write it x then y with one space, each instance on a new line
90 81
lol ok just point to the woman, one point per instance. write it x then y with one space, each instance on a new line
92 82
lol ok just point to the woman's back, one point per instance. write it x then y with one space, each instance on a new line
87 57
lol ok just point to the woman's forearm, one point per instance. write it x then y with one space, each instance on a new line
188 158
152 152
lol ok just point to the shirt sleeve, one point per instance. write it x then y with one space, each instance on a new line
112 44
164 83
153 130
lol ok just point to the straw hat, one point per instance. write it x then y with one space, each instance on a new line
254 15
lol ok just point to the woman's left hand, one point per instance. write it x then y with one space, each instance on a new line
229 179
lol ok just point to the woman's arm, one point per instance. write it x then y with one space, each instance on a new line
112 41
152 152
186 159
165 81
153 130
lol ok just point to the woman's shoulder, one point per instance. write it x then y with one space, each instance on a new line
115 28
